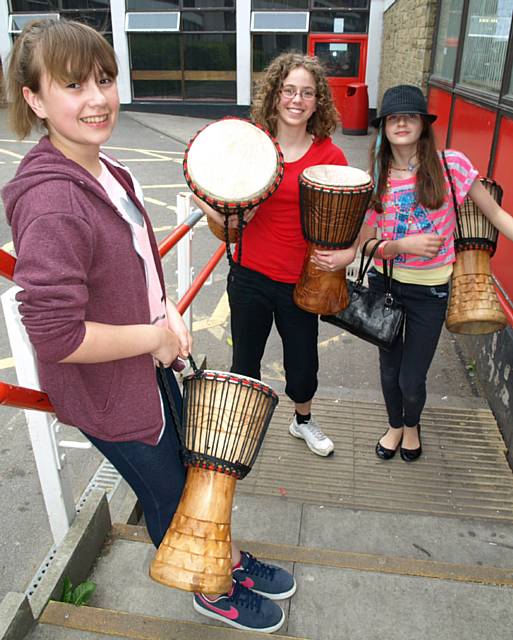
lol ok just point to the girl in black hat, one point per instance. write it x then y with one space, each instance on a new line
412 209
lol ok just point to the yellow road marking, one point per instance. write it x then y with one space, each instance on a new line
155 201
19 156
332 340
218 317
6 363
163 186
137 149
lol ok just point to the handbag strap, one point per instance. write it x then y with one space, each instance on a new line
363 269
387 273
455 202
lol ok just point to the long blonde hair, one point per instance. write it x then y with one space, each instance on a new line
322 122
67 51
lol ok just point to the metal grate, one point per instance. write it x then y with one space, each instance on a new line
463 470
106 478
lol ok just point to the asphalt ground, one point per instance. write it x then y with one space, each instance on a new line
152 146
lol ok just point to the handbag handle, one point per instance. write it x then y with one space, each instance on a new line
389 299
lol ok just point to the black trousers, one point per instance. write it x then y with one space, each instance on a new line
404 369
255 302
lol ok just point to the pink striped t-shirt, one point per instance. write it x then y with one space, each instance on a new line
402 216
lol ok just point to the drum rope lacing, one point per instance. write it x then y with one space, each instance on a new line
258 400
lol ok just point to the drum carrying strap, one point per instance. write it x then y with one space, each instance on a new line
240 217
169 394
455 202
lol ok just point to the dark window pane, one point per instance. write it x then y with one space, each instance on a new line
208 21
154 51
99 20
157 90
85 4
447 38
338 22
214 52
152 5
208 4
31 6
155 63
486 43
215 90
279 4
267 46
340 4
341 60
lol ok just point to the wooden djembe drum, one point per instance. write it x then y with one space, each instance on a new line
233 165
333 200
224 422
474 307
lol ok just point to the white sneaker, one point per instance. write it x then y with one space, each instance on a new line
313 436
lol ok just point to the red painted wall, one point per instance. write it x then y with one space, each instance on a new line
472 132
502 262
439 103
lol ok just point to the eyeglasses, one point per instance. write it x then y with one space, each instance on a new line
289 91
407 117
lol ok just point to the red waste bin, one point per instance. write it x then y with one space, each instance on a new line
355 112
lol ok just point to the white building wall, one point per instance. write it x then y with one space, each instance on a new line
120 40
243 19
374 45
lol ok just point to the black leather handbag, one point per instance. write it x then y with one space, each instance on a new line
375 317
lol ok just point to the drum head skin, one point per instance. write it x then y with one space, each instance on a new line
332 175
233 161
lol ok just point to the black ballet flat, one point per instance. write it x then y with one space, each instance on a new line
386 454
410 455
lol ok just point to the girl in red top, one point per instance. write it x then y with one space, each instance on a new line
294 103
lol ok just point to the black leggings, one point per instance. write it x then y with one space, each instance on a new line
404 369
255 301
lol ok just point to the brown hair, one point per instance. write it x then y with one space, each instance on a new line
68 51
322 123
431 188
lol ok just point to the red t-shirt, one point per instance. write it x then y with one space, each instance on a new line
273 242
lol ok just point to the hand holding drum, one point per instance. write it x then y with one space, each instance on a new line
333 202
233 165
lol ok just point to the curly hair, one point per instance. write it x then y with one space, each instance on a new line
264 111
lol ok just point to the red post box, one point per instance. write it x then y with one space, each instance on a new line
355 111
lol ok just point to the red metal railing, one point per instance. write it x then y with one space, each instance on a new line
14 396
23 398
7 264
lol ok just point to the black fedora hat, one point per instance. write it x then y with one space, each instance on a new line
403 98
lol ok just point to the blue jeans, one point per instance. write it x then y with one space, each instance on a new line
255 302
155 473
404 369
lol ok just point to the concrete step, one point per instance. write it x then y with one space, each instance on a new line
358 574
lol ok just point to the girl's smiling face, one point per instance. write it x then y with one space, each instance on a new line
80 116
403 129
296 110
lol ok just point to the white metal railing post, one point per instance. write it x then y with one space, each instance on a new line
185 271
53 471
